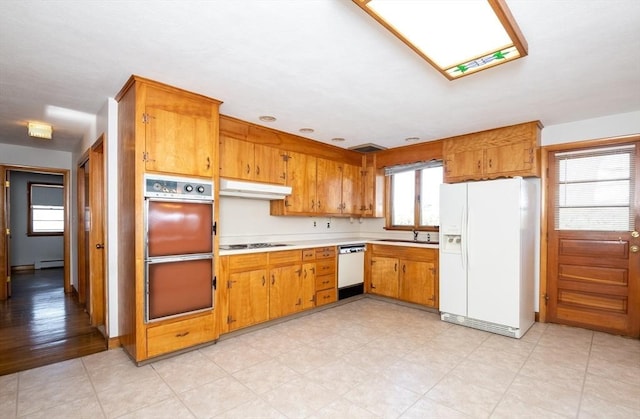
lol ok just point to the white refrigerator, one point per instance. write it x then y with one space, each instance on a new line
489 253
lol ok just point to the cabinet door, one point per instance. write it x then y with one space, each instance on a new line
329 187
352 199
417 282
179 137
236 158
301 176
285 291
248 298
269 165
384 276
308 288
510 158
464 164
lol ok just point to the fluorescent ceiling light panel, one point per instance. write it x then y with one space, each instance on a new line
39 130
457 37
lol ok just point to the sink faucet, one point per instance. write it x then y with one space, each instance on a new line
415 235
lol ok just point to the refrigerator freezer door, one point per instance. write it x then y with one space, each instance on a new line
453 275
494 251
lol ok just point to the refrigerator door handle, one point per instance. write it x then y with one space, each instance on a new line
463 238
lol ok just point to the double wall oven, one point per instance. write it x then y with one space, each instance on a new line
178 217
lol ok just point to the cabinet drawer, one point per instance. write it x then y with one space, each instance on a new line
325 252
247 261
287 256
326 267
308 254
326 297
178 335
325 282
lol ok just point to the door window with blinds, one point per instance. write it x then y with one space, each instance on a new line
595 189
46 209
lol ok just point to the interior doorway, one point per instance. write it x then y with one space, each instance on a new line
91 227
23 248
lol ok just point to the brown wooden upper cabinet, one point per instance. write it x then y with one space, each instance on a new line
501 152
321 187
179 131
250 161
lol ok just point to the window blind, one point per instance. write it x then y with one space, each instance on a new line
595 189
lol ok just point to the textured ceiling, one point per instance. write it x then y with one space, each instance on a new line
322 64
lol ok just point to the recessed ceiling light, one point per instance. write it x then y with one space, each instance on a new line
412 139
337 139
306 130
267 118
39 130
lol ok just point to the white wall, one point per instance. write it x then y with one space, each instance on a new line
248 220
34 157
592 129
28 250
106 124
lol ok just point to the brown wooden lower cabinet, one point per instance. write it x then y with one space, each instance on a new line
162 339
405 273
269 285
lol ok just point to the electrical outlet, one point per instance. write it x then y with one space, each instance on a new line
328 224
314 223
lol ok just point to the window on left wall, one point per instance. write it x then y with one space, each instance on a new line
46 209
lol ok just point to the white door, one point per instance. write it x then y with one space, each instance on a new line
493 245
453 275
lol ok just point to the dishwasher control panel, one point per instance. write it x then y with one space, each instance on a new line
352 248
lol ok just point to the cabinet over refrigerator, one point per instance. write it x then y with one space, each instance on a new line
489 252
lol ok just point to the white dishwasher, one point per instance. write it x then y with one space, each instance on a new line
350 270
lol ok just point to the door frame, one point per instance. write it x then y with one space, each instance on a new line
4 252
545 151
95 285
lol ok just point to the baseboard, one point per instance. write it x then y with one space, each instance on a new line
23 268
113 343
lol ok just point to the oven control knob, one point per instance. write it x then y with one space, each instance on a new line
200 189
188 188
157 186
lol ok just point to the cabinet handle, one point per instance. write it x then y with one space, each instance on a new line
283 176
404 268
248 168
299 301
479 162
263 280
490 162
258 170
273 279
313 203
305 274
183 334
395 267
208 163
319 205
372 286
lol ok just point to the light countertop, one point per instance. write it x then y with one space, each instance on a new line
305 244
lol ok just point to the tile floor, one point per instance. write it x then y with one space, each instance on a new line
364 359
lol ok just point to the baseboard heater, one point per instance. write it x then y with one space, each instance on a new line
44 264
499 329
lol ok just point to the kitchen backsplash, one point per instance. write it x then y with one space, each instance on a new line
249 221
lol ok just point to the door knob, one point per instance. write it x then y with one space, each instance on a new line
634 249
99 246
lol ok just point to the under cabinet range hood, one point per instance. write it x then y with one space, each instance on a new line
253 190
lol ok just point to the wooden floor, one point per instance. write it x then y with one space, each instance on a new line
40 325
